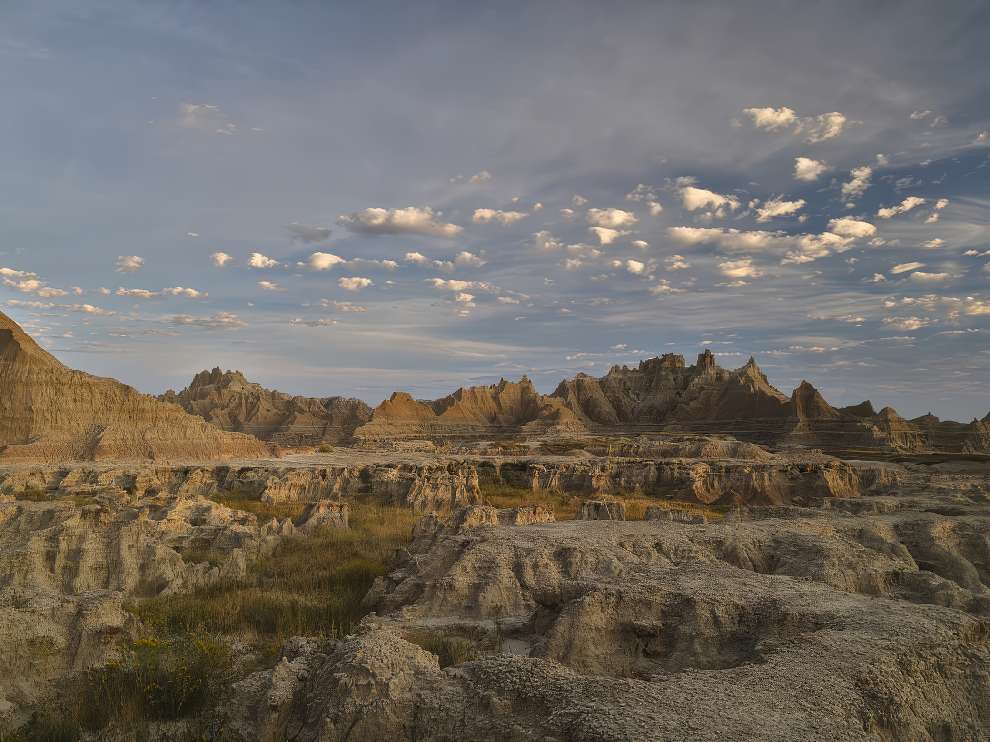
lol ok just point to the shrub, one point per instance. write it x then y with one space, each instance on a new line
450 649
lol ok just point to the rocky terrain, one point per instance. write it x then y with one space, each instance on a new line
231 402
49 412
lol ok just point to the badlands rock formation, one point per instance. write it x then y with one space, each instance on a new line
231 402
49 412
804 625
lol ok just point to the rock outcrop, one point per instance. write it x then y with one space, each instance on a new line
49 412
231 402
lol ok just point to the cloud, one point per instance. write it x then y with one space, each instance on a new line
465 258
323 261
464 298
611 218
410 220
730 239
342 306
694 198
977 307
489 216
354 283
936 211
848 227
807 169
605 235
544 240
269 286
982 138
636 267
308 232
28 283
319 322
810 247
911 202
908 324
416 257
905 267
455 285
478 178
922 277
917 115
676 263
262 261
823 127
182 291
220 259
858 182
80 308
218 321
129 263
205 117
771 119
818 128
934 243
648 195
742 268
663 287
507 300
778 207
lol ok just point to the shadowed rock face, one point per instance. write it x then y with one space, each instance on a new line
231 402
50 412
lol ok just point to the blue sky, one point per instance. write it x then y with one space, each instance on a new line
351 199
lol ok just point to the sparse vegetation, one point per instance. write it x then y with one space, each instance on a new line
451 649
565 507
264 511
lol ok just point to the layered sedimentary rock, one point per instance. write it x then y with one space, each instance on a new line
664 394
49 412
846 628
231 402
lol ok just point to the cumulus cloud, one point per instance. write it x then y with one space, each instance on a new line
262 261
911 202
934 244
269 286
342 306
468 259
416 257
129 263
605 235
323 261
354 283
544 240
905 267
478 178
730 239
807 169
80 308
908 324
410 220
923 277
28 283
859 181
636 267
490 216
648 195
771 119
611 218
220 259
778 207
739 269
455 285
319 322
936 214
676 263
849 227
977 307
309 232
663 287
694 199
205 117
640 244
218 321
182 291
823 127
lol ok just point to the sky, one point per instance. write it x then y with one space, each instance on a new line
345 198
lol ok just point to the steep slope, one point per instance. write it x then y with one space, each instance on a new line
230 401
50 412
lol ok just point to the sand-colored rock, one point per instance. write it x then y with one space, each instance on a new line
49 412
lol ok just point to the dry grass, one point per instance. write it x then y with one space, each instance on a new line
450 649
565 507
264 511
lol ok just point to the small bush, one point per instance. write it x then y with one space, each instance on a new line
450 649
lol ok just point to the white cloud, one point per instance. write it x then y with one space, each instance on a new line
544 240
28 283
934 243
908 324
848 227
354 283
810 247
808 169
611 218
636 267
905 267
220 259
977 307
605 235
129 263
663 287
878 278
319 322
309 232
463 297
480 177
507 300
823 127
455 285
917 115
469 259
572 264
416 257
858 182
729 239
778 207
911 202
771 119
323 261
676 263
80 308
262 261
505 218
219 321
578 201
742 268
172 291
935 215
410 220
269 286
342 306
922 277
205 117
694 198
982 138
640 244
